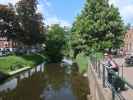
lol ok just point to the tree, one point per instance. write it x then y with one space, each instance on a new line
32 26
55 43
67 45
9 25
77 43
99 26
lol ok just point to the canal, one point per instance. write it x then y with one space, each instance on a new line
46 82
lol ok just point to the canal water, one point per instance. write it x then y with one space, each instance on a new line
46 82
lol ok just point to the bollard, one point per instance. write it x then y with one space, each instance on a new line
96 64
122 70
104 76
113 89
99 71
113 94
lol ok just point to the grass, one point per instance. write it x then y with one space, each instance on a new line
26 60
82 62
99 55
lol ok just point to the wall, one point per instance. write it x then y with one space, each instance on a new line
128 44
96 87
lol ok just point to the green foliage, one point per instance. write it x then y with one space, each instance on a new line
9 26
99 26
13 62
67 45
55 43
31 22
82 62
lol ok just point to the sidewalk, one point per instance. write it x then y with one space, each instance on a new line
128 76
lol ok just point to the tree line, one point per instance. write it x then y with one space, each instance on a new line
99 26
22 23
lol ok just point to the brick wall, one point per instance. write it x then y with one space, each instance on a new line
128 41
5 43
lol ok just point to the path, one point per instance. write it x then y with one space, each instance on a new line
128 76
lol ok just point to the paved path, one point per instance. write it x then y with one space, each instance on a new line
128 76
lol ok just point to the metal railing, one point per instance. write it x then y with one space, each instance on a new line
103 72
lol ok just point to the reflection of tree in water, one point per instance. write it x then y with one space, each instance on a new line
55 74
75 68
52 81
27 89
79 84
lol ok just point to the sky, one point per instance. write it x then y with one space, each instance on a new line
65 11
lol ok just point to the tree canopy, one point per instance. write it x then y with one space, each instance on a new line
97 27
55 43
9 25
31 22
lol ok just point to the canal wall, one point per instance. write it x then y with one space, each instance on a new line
97 92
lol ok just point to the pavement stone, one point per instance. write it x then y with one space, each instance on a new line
127 73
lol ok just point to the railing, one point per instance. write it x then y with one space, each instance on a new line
117 82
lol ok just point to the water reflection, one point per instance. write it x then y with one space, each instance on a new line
10 85
51 82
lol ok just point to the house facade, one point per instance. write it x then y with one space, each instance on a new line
5 44
128 41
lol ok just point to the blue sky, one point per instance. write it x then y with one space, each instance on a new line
61 11
64 11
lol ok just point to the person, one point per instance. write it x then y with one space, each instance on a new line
114 66
114 80
111 65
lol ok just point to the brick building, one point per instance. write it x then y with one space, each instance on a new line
7 44
128 41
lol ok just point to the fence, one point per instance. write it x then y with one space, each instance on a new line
116 83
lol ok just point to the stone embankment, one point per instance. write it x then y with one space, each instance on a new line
96 87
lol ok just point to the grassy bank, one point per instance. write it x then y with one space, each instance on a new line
99 56
82 62
11 63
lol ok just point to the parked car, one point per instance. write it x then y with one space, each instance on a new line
129 60
4 52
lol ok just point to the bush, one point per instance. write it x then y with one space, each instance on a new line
55 44
53 51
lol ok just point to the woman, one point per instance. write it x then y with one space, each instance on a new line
111 65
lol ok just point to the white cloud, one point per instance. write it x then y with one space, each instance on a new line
55 20
47 3
47 9
8 1
112 2
125 8
127 13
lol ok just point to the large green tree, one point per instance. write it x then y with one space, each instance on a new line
55 43
31 22
99 26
